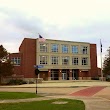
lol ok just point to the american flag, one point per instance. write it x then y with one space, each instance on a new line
41 39
100 46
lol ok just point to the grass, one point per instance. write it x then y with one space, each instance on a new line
45 105
17 95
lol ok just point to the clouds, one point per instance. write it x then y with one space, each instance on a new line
81 20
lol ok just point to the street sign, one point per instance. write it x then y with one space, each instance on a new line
40 66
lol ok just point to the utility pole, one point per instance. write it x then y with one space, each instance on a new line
101 59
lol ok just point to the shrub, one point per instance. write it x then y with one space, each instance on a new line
95 78
16 82
108 79
31 82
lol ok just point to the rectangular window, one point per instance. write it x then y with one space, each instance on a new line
43 59
54 47
75 49
74 61
43 47
84 61
65 60
16 61
64 48
54 60
84 49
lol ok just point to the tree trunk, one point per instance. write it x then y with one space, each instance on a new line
0 79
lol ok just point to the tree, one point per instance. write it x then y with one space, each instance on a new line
106 64
3 52
6 68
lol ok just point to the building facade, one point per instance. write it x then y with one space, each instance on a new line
56 59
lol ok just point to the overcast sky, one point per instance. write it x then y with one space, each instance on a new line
74 20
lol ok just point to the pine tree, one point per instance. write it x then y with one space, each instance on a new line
106 64
6 68
3 52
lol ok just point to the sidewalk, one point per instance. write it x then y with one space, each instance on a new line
66 84
53 90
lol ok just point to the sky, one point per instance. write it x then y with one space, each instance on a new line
73 20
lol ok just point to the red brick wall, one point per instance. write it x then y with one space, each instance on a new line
44 75
93 58
28 50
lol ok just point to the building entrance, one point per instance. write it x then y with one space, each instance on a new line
64 76
75 74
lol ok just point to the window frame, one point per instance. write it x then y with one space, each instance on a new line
74 49
43 47
45 62
16 61
53 59
84 49
56 48
65 58
75 61
84 60
65 48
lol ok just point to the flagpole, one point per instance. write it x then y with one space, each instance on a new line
101 60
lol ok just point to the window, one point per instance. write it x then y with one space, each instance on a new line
84 49
64 49
43 47
74 61
43 59
84 61
65 60
74 49
54 47
54 60
16 61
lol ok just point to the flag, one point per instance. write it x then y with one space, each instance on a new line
100 46
41 39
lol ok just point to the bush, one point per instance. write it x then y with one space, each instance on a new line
16 82
95 78
31 82
108 79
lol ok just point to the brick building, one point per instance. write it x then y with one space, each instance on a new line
60 60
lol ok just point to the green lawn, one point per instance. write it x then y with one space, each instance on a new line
16 95
45 105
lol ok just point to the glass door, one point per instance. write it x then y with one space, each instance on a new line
64 76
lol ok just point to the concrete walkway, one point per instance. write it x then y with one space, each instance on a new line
100 100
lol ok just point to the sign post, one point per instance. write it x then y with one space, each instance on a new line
37 73
36 85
